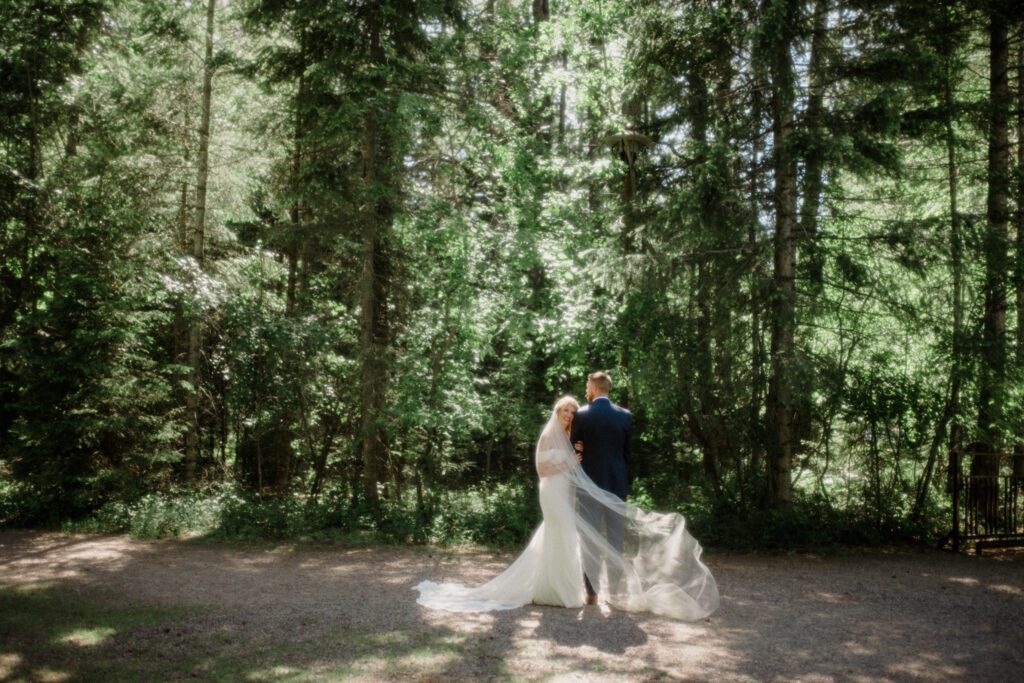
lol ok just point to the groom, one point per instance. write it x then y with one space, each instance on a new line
603 432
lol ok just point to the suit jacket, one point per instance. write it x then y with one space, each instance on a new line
606 431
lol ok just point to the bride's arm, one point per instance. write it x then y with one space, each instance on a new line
546 469
550 465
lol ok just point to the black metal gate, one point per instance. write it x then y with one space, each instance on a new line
988 493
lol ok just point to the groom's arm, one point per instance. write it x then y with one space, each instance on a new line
576 433
627 446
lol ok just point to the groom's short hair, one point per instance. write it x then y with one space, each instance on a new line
602 381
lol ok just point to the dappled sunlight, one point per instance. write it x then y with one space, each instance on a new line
334 570
681 661
831 598
473 623
1002 588
681 631
589 677
275 673
263 615
928 665
1015 591
47 675
86 637
59 558
857 648
425 662
9 661
35 587
529 624
395 579
688 647
421 662
388 638
966 580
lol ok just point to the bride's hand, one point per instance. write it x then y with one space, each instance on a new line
579 451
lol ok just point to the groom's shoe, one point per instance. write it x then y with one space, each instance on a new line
591 599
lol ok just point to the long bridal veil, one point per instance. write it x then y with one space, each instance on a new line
636 560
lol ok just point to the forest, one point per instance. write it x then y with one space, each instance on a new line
321 268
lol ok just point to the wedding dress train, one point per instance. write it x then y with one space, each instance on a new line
636 560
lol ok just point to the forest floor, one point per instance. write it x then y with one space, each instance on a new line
84 607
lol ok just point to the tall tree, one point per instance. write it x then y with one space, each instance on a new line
390 29
992 379
378 176
815 149
1018 448
779 24
944 29
198 248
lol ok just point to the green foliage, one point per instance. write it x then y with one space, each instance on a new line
498 516
517 250
814 524
157 515
502 516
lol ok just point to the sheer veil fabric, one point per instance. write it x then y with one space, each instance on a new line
636 560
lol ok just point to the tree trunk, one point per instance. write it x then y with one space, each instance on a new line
1018 448
710 359
757 374
814 154
180 341
17 271
729 240
781 414
71 144
957 265
33 170
707 412
373 285
541 10
951 410
993 351
295 211
198 234
561 107
546 114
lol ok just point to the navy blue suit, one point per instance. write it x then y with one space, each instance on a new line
606 431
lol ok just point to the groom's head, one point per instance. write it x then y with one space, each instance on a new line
598 385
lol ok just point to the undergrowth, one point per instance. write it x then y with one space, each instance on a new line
498 515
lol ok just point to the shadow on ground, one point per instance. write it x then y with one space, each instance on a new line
115 608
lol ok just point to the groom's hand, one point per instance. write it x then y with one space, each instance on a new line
579 451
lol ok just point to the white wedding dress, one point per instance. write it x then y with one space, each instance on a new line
655 567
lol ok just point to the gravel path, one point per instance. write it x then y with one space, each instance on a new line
855 616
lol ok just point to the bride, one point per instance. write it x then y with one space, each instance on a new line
657 568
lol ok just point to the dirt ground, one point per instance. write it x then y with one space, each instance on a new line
286 612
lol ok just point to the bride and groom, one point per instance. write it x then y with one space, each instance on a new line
592 544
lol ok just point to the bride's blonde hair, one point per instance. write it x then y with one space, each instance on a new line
564 401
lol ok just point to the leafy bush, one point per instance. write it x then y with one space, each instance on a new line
500 516
157 515
20 505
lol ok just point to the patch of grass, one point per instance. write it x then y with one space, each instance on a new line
49 632
52 633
